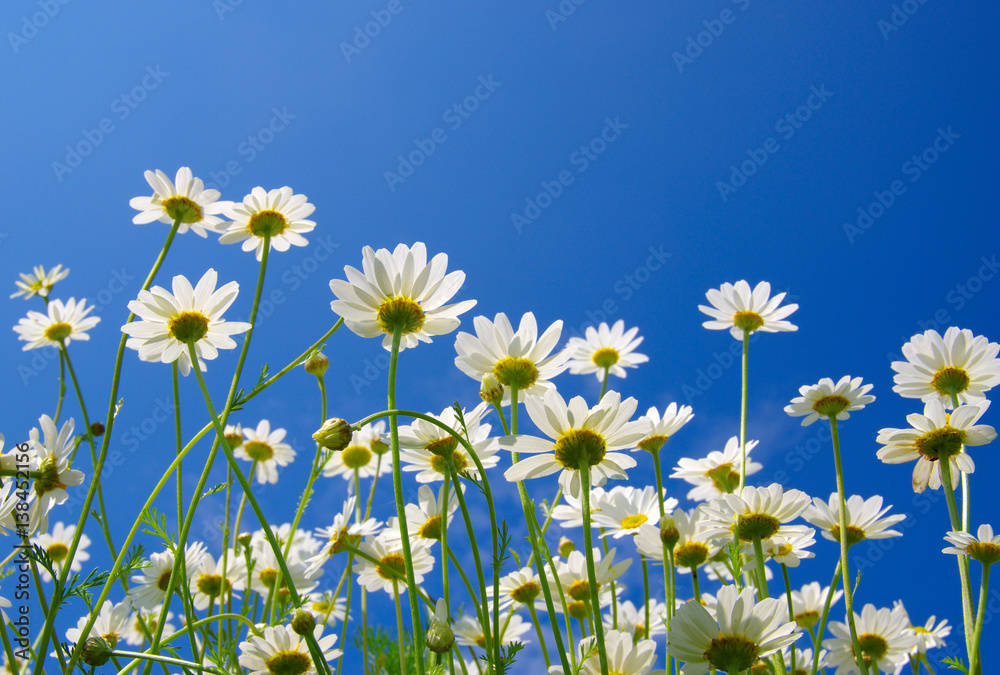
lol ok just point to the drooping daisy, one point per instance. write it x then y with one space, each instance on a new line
718 473
937 367
425 447
365 453
400 289
469 632
627 655
884 637
605 349
864 518
283 652
171 321
756 512
936 435
60 324
40 282
112 623
280 213
984 547
149 587
742 311
264 446
808 603
521 359
389 574
624 509
582 437
57 544
741 632
54 474
827 399
184 199
662 428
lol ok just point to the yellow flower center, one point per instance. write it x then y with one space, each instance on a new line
653 443
691 554
163 581
755 525
577 610
47 479
400 311
831 406
748 321
258 451
579 590
632 522
807 620
985 552
389 563
951 380
211 585
732 653
355 456
57 551
580 446
289 662
940 443
58 332
854 534
525 593
188 327
267 222
873 645
431 529
605 357
183 209
724 478
440 462
516 372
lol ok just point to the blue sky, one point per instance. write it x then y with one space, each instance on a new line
609 162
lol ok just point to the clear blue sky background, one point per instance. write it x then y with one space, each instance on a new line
288 94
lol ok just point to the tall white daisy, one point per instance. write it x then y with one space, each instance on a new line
605 349
624 509
627 655
112 623
264 446
937 367
149 587
57 543
469 632
756 512
742 311
400 289
39 282
280 213
424 519
281 651
425 447
716 474
864 518
692 546
54 472
827 399
60 324
663 427
883 634
389 573
171 321
184 199
808 603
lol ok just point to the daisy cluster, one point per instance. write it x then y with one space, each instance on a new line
285 588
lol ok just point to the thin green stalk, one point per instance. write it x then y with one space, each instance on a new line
743 410
791 607
400 633
347 610
604 383
443 505
668 590
313 475
62 387
984 587
645 593
595 600
541 634
180 443
968 618
167 660
818 636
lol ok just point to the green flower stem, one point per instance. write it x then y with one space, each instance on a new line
595 600
239 511
614 593
364 598
743 410
397 484
668 589
758 550
50 617
180 444
8 650
541 635
62 393
167 660
347 610
645 592
545 528
927 664
845 570
547 560
503 419
604 383
976 667
251 628
314 474
443 505
468 585
791 607
963 561
400 633
818 636
694 584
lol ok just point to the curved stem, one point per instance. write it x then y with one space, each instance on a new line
595 600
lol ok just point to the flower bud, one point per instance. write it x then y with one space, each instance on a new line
669 534
379 448
303 622
440 637
491 390
96 429
566 546
317 364
335 434
96 651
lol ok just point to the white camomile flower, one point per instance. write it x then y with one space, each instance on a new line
632 620
60 324
426 447
789 550
692 547
267 572
400 289
522 359
830 400
718 473
864 518
389 574
808 603
929 636
185 199
341 533
757 512
112 623
149 587
469 632
624 509
424 519
365 453
210 586
663 427
57 543
135 636
171 321
39 282
570 512
581 436
264 446
605 349
518 588
984 547
627 655
281 651
279 213
883 634
574 576
54 473
742 311
938 367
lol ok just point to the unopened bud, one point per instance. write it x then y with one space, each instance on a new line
244 539
317 364
669 533
303 622
440 637
96 429
566 546
335 434
379 448
491 390
96 651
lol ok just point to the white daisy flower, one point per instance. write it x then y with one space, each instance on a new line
60 324
827 399
54 474
632 620
519 588
135 636
39 282
283 652
933 436
985 547
611 349
580 436
663 427
57 544
389 554
803 660
718 473
149 587
469 632
267 571
928 636
325 608
400 289
304 544
741 632
756 512
626 654
736 308
575 579
693 547
170 321
265 447
937 367
207 580
884 636
365 453
624 509
808 603
423 520
342 533
788 550
523 358
185 199
278 213
424 447
112 623
864 518
570 512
